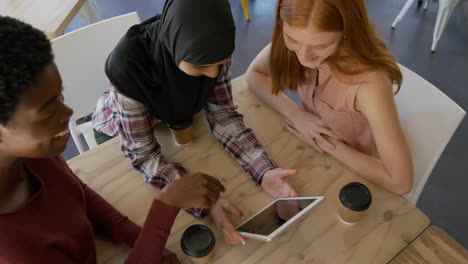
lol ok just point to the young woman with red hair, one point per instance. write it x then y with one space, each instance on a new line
328 52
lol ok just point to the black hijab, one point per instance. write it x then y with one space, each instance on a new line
144 64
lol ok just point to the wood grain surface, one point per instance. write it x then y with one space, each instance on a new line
320 237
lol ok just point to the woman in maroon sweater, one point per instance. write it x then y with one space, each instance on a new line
47 215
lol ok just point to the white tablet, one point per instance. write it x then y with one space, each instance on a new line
276 217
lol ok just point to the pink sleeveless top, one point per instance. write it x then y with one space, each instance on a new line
333 100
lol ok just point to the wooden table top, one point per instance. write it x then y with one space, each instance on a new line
50 16
433 246
320 237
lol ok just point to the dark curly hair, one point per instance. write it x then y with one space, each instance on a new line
24 52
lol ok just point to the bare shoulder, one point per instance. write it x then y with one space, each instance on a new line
261 63
375 88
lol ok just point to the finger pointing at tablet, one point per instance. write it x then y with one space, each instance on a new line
219 213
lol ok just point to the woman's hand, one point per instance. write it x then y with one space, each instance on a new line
332 141
310 128
219 214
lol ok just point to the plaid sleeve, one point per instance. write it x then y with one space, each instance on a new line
138 143
228 127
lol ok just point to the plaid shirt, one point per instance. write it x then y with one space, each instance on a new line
117 114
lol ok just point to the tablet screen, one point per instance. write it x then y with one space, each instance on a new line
272 217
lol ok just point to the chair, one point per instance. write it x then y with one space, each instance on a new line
445 10
245 7
80 56
429 119
87 11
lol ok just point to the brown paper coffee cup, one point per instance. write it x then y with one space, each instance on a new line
355 199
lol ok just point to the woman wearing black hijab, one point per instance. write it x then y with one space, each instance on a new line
169 68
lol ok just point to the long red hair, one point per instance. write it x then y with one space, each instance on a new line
359 45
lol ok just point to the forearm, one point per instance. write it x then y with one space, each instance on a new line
260 85
160 173
146 157
369 167
240 142
228 127
138 142
150 244
154 167
106 219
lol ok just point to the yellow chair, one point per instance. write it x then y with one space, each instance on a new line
245 7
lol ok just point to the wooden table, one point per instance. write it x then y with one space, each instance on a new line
389 226
433 246
50 16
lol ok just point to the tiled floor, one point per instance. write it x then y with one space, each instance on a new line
444 199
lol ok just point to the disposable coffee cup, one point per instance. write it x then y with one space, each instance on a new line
355 199
197 243
181 132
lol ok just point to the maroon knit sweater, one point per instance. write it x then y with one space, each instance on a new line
58 224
